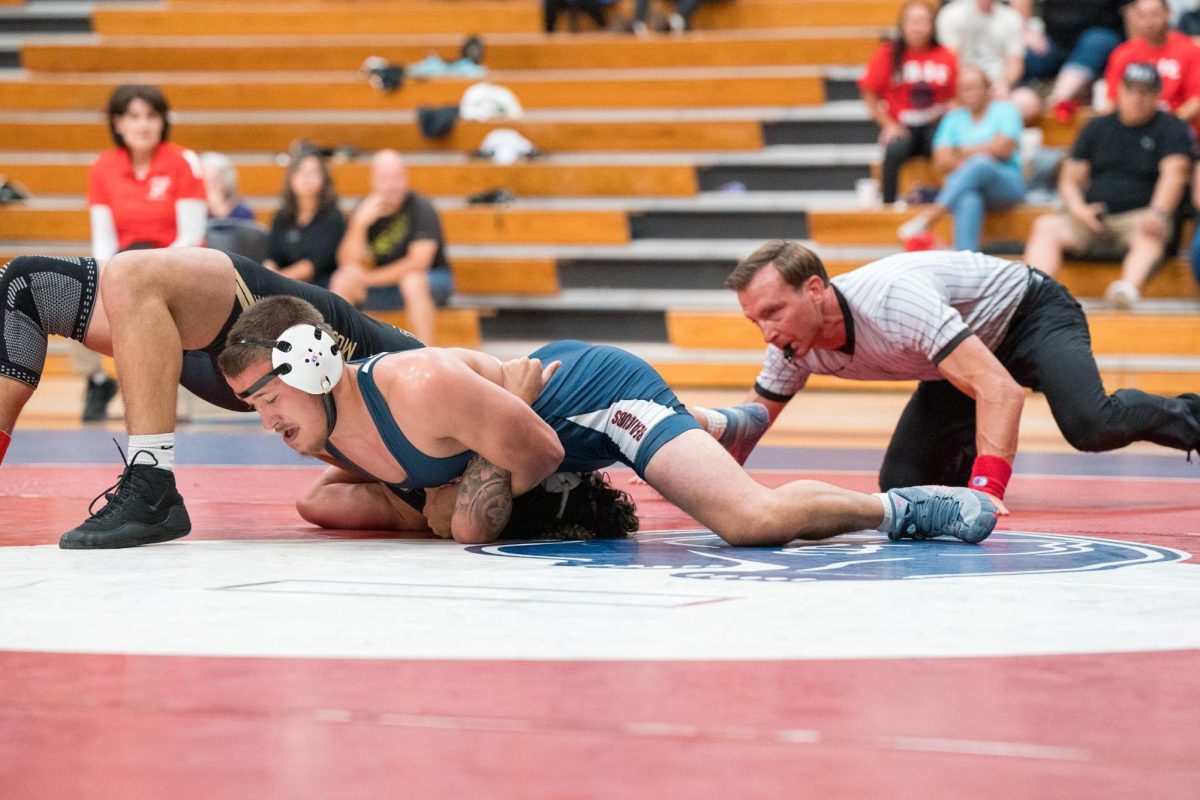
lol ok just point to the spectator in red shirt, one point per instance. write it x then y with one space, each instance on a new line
143 193
908 83
1176 57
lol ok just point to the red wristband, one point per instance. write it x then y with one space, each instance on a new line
4 440
990 474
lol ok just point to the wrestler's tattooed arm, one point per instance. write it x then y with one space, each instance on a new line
483 503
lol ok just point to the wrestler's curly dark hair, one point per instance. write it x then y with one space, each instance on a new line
594 510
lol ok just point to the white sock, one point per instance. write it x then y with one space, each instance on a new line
889 510
715 421
159 445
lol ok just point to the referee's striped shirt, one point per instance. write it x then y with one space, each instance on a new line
905 313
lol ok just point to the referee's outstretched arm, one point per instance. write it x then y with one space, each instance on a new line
999 399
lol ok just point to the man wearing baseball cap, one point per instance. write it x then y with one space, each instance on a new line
1120 187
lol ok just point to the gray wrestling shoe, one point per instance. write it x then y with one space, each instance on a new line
745 424
923 512
145 508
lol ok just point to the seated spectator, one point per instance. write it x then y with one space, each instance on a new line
396 231
221 183
679 20
1121 187
989 35
145 192
308 227
1177 58
908 82
593 8
1070 43
1195 249
976 145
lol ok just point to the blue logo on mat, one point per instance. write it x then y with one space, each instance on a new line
856 557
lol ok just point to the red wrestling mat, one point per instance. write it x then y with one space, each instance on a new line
143 727
1105 725
40 502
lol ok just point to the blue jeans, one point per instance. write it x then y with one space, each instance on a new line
388 298
981 182
1196 252
1090 53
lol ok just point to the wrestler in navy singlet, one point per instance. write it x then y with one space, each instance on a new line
423 471
605 404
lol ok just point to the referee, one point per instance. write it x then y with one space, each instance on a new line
972 328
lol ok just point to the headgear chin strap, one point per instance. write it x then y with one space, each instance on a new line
304 357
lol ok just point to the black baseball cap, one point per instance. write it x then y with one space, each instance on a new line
1144 73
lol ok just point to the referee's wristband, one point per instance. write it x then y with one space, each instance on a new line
991 474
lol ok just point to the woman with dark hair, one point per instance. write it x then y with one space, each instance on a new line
308 226
907 85
145 192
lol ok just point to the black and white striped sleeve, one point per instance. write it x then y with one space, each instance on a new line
780 379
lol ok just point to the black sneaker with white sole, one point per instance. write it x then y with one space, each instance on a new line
143 507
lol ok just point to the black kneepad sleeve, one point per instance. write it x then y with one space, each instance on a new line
41 295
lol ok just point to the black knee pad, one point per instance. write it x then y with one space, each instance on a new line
41 295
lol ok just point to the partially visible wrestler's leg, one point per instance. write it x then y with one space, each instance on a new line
342 500
696 474
158 303
41 295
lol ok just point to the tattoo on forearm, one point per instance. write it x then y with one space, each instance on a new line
484 495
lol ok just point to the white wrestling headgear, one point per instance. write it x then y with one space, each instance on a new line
304 357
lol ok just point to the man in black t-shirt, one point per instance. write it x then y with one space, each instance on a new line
393 254
1121 187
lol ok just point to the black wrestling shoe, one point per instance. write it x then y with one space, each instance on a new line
97 398
145 508
1193 401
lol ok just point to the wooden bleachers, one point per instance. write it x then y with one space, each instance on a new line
1088 279
309 18
456 327
1115 337
879 226
528 51
1112 333
475 276
233 133
348 91
533 179
502 276
472 225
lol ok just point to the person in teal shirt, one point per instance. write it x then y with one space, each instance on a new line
976 146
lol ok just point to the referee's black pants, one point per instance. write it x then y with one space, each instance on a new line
1047 349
